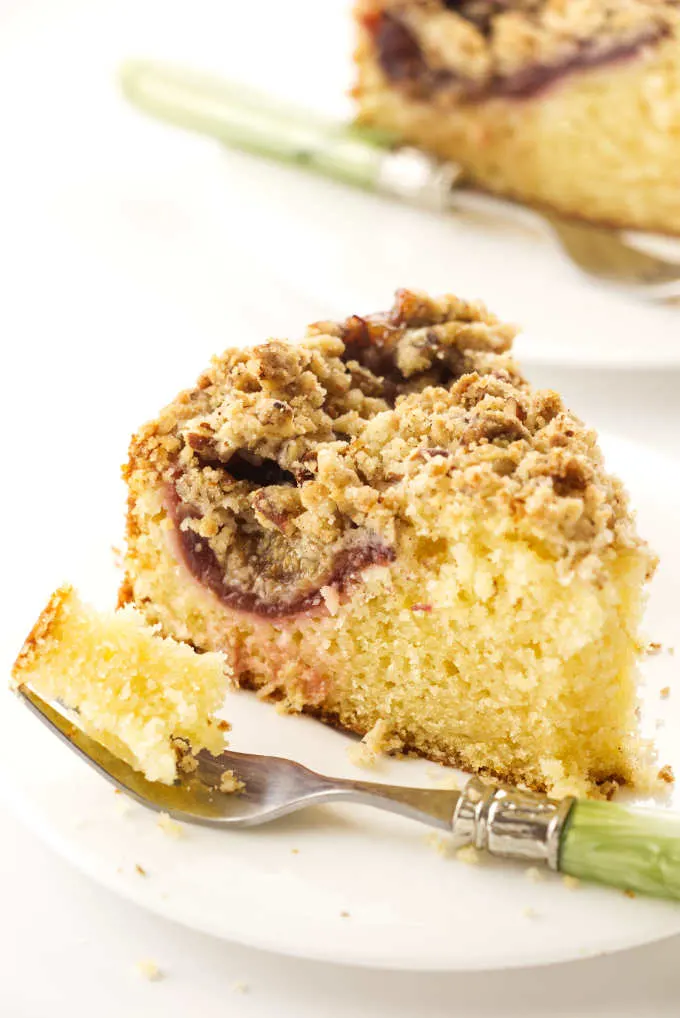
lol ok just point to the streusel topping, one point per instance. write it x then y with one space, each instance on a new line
513 47
291 468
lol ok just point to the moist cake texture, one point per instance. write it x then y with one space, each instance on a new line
570 103
386 523
142 695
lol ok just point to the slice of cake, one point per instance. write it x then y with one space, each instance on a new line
386 524
574 104
140 694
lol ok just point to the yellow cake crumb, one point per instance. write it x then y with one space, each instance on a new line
230 784
149 970
170 827
571 883
439 842
444 778
378 741
666 774
665 692
469 855
122 805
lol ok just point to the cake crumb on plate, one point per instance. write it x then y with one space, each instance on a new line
438 842
377 741
169 826
240 987
666 774
571 883
140 869
665 692
534 874
149 970
444 778
121 804
469 855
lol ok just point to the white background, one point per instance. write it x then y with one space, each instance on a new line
121 274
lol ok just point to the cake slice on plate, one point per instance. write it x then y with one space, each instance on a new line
142 695
385 524
574 104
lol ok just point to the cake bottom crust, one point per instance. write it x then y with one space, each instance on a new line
603 787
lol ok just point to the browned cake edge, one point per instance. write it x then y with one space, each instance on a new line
41 632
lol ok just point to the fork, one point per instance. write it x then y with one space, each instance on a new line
638 850
371 159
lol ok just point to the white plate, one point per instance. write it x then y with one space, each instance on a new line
408 906
150 218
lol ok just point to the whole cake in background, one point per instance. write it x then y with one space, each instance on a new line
386 526
574 104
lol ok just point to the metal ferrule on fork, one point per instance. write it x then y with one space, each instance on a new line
510 822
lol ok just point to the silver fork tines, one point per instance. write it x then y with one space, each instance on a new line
505 821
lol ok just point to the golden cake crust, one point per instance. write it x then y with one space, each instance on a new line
42 632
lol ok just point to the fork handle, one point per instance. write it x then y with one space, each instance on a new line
253 122
637 850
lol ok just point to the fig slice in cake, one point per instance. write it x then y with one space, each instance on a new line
573 104
385 523
147 698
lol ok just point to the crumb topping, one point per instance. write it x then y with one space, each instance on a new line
290 469
480 47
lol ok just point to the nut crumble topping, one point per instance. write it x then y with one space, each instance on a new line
291 469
